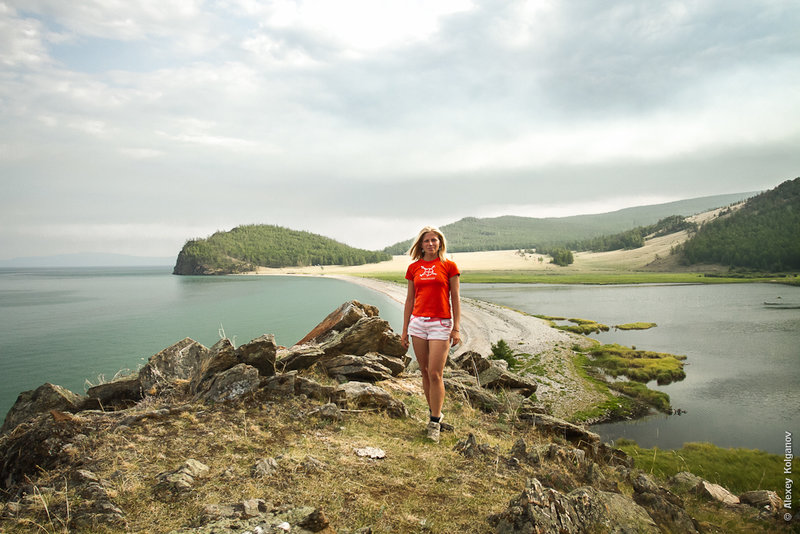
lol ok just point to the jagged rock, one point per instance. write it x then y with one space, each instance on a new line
260 353
299 357
338 320
118 393
495 376
568 431
684 481
716 492
313 389
520 452
371 366
231 384
177 362
363 395
280 386
369 334
664 507
470 361
478 397
98 506
546 511
763 500
470 448
46 397
183 478
220 357
602 511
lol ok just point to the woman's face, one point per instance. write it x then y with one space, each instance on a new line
430 244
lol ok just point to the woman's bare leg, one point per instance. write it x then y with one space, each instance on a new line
432 356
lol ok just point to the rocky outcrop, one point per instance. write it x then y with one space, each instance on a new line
547 511
46 397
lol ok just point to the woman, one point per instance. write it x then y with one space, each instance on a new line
431 316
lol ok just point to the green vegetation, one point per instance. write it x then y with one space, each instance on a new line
583 326
635 326
510 232
638 365
561 256
739 470
614 408
657 399
246 247
501 351
761 236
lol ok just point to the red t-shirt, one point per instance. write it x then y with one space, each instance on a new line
432 287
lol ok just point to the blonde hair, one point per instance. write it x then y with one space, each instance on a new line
416 251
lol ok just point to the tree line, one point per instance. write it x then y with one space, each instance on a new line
246 247
762 235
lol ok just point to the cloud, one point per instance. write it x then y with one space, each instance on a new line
355 119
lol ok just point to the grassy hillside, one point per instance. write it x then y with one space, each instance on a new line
762 235
512 232
246 247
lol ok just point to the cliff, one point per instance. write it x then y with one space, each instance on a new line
328 436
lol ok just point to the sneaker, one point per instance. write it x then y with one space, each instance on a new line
433 431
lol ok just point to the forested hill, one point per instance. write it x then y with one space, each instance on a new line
763 235
511 232
246 247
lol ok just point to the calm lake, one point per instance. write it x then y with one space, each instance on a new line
67 326
743 369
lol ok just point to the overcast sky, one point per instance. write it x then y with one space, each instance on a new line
131 126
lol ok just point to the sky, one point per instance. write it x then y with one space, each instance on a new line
130 126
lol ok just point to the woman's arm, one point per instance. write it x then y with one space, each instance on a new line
455 302
407 313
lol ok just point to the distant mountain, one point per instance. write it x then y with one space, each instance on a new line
246 247
86 259
763 235
511 232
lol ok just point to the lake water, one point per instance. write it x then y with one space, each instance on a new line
743 369
67 326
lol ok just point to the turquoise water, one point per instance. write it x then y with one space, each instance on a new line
70 326
742 387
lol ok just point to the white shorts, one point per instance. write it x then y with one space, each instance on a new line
430 327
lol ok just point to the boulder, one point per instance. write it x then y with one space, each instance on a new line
231 384
369 334
762 499
177 362
372 366
46 397
495 376
684 482
299 357
716 492
568 431
220 357
118 393
259 353
338 320
664 507
367 396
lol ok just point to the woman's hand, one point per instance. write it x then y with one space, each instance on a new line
404 340
455 337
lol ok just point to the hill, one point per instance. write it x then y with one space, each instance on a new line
245 248
512 232
762 235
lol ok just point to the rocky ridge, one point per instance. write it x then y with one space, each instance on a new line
352 365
